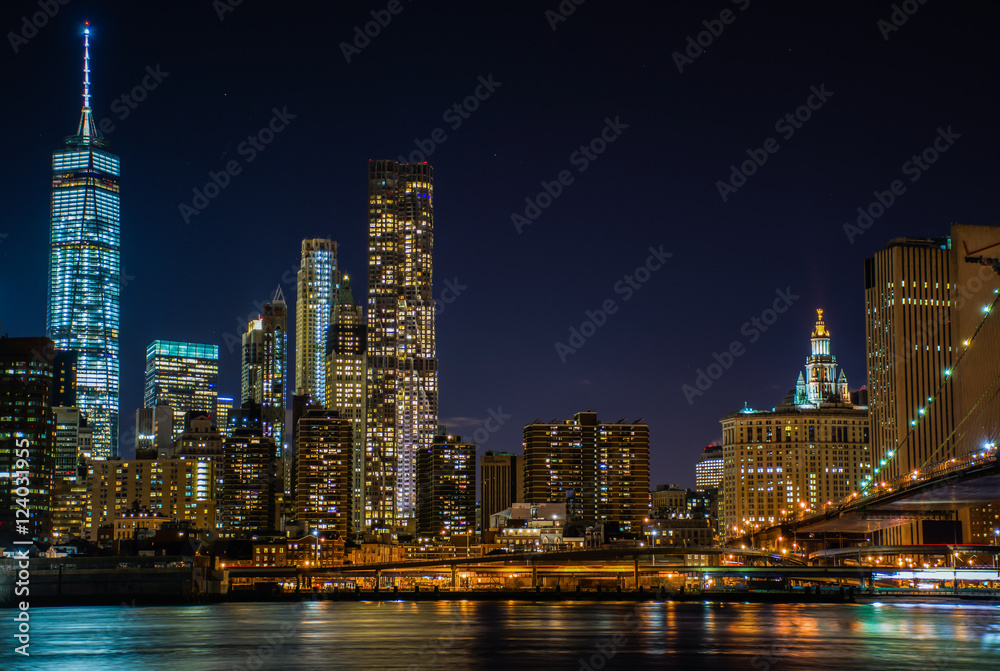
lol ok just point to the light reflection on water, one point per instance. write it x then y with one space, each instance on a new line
511 635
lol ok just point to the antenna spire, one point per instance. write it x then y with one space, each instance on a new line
86 64
87 130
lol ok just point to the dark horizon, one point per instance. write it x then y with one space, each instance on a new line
516 279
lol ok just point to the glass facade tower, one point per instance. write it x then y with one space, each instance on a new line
84 280
184 376
318 282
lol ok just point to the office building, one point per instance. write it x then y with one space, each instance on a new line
223 408
446 487
318 283
183 375
265 375
65 378
502 478
27 457
931 345
346 373
402 357
804 454
708 470
324 461
601 471
154 429
84 282
73 441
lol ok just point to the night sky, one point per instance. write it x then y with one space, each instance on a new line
676 135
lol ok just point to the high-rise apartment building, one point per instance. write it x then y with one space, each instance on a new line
183 489
183 375
84 283
809 452
324 464
318 283
27 458
346 373
265 374
402 358
502 478
446 487
601 471
252 485
708 470
932 359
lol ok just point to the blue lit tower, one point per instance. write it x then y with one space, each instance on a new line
85 268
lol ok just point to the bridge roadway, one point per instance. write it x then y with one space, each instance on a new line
523 560
936 492
645 561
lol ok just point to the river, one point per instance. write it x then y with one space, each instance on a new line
513 636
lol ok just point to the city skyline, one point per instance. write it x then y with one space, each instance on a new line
466 288
561 335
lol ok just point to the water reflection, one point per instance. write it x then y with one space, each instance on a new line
512 635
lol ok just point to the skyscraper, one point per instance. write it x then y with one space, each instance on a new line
600 470
931 356
318 282
265 357
183 375
85 268
805 454
324 464
73 440
402 356
502 483
251 485
27 458
345 388
154 429
446 487
223 408
908 323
